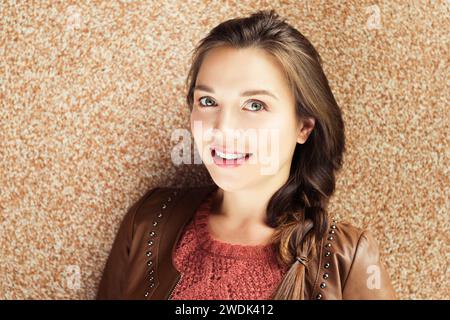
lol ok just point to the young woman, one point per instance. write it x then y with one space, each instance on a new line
262 231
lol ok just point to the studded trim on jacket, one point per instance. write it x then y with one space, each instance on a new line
346 265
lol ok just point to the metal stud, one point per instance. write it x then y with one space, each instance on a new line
159 215
155 223
151 278
146 294
149 263
148 253
151 285
150 242
164 206
169 199
152 234
151 271
327 254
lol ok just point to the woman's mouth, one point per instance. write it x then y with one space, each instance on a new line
229 160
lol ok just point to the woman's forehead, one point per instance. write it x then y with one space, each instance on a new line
239 69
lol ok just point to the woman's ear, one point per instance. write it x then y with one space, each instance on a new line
305 128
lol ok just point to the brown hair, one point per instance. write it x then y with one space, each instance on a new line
298 210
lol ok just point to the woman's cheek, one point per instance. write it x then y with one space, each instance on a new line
200 127
278 147
197 123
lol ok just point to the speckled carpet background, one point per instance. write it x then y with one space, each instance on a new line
91 93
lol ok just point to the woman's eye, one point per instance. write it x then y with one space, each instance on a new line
207 101
255 105
259 105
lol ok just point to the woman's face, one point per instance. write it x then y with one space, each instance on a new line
228 116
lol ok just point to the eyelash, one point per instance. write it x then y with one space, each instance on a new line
264 106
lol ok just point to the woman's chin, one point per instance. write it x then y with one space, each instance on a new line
228 182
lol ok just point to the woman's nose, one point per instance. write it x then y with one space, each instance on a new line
228 118
229 128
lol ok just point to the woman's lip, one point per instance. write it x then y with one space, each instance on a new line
227 152
229 163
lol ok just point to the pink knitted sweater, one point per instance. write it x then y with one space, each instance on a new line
212 269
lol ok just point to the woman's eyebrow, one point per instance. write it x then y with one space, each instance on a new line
243 94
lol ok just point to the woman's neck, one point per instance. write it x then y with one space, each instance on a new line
247 206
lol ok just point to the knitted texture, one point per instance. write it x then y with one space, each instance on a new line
212 269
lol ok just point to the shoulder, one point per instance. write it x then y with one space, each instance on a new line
152 203
347 238
163 197
351 242
346 233
351 239
354 262
159 203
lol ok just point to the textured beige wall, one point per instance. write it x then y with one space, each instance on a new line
90 95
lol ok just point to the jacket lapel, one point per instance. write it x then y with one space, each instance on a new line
185 205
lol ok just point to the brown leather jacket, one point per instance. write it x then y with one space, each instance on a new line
140 264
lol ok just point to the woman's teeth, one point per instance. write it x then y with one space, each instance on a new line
230 155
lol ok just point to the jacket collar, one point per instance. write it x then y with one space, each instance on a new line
186 203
